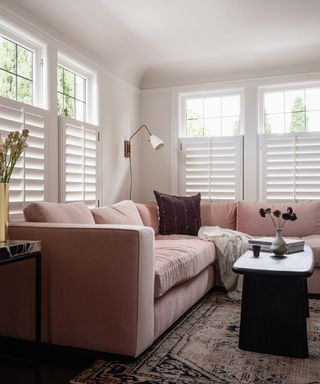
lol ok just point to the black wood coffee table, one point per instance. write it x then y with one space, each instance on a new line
275 302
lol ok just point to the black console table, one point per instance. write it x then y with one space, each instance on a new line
14 251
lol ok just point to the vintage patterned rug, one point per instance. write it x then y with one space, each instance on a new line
203 348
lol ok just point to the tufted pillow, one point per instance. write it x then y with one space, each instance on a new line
58 213
179 214
124 212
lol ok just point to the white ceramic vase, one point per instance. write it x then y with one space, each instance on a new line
278 246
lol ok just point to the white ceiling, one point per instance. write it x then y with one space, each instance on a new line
153 43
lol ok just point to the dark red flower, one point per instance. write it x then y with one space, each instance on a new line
290 210
293 217
286 216
277 213
262 212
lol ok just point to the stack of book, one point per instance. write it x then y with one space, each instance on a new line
265 243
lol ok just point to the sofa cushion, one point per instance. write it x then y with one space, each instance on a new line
124 212
314 242
149 215
223 214
58 213
308 223
179 214
179 260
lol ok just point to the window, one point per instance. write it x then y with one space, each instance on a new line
16 71
210 146
292 110
290 144
290 167
29 181
212 167
79 154
71 94
211 116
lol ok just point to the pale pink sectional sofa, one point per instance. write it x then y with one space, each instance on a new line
117 287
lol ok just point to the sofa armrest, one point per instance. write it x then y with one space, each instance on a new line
97 284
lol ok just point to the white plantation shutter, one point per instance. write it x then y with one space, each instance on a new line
79 155
212 166
28 180
290 167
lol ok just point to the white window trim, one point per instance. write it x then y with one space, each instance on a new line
263 159
63 122
183 97
29 110
211 142
27 42
178 97
91 84
262 90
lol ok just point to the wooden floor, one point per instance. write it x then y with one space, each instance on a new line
53 371
21 364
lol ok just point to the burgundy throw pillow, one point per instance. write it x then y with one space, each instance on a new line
179 214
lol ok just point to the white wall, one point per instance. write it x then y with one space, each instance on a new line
155 166
159 109
119 104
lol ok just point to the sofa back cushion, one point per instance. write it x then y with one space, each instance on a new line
149 215
178 214
58 213
223 214
124 212
250 221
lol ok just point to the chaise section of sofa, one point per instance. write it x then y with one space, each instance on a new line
97 287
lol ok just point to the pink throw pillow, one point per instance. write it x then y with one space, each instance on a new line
46 212
149 215
124 212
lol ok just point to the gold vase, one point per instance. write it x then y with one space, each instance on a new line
4 211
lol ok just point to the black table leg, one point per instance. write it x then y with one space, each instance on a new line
307 298
273 316
38 300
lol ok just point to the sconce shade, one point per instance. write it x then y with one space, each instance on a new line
156 142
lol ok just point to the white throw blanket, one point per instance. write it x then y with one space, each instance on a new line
230 246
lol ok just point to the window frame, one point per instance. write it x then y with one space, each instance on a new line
76 67
183 97
263 137
296 158
211 142
262 90
64 122
74 98
17 107
37 49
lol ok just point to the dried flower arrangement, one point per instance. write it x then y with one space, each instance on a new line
278 219
10 150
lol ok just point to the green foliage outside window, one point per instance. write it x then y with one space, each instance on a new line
15 71
71 94
288 117
298 122
195 126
